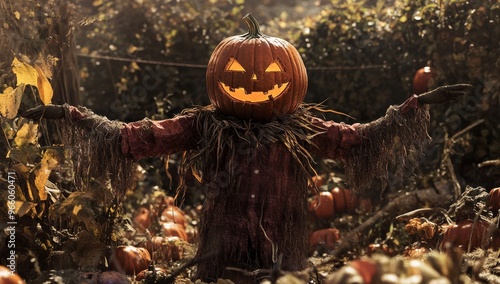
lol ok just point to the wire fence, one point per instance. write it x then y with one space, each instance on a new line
204 66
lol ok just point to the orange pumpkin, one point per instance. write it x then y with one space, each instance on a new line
323 205
254 76
469 233
142 218
423 79
344 200
171 229
377 248
325 238
173 214
7 277
494 201
130 260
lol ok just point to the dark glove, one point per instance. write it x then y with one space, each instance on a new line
45 111
444 94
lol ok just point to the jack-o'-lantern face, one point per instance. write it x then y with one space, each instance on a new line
254 76
254 96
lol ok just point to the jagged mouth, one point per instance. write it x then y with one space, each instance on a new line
256 96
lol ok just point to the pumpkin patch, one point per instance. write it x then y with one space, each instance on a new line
122 165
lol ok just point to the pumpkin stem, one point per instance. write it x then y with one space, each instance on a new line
253 26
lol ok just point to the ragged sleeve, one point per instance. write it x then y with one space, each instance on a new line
107 150
368 149
148 138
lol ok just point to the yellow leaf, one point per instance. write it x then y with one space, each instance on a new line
24 207
77 209
17 15
48 163
25 73
28 134
44 87
10 101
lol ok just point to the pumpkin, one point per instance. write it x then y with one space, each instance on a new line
254 76
468 233
173 214
344 200
377 248
130 260
171 229
338 200
423 79
111 277
142 218
324 238
494 201
323 205
7 277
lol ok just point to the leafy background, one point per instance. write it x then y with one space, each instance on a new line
131 59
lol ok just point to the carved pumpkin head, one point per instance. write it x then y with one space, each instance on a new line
254 76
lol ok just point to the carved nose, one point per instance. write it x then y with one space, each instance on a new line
254 77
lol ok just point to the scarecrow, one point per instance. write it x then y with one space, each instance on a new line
253 147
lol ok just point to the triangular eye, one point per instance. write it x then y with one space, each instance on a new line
234 65
274 67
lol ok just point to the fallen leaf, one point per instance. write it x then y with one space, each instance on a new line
25 73
10 101
24 207
28 134
49 161
44 87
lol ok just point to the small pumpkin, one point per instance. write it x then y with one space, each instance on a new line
142 218
345 201
423 79
468 233
173 214
322 205
324 239
111 277
254 76
171 229
494 201
7 277
130 260
377 248
338 201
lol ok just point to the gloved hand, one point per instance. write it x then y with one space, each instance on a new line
45 111
444 94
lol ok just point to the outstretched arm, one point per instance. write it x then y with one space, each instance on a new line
397 138
141 139
444 94
107 149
